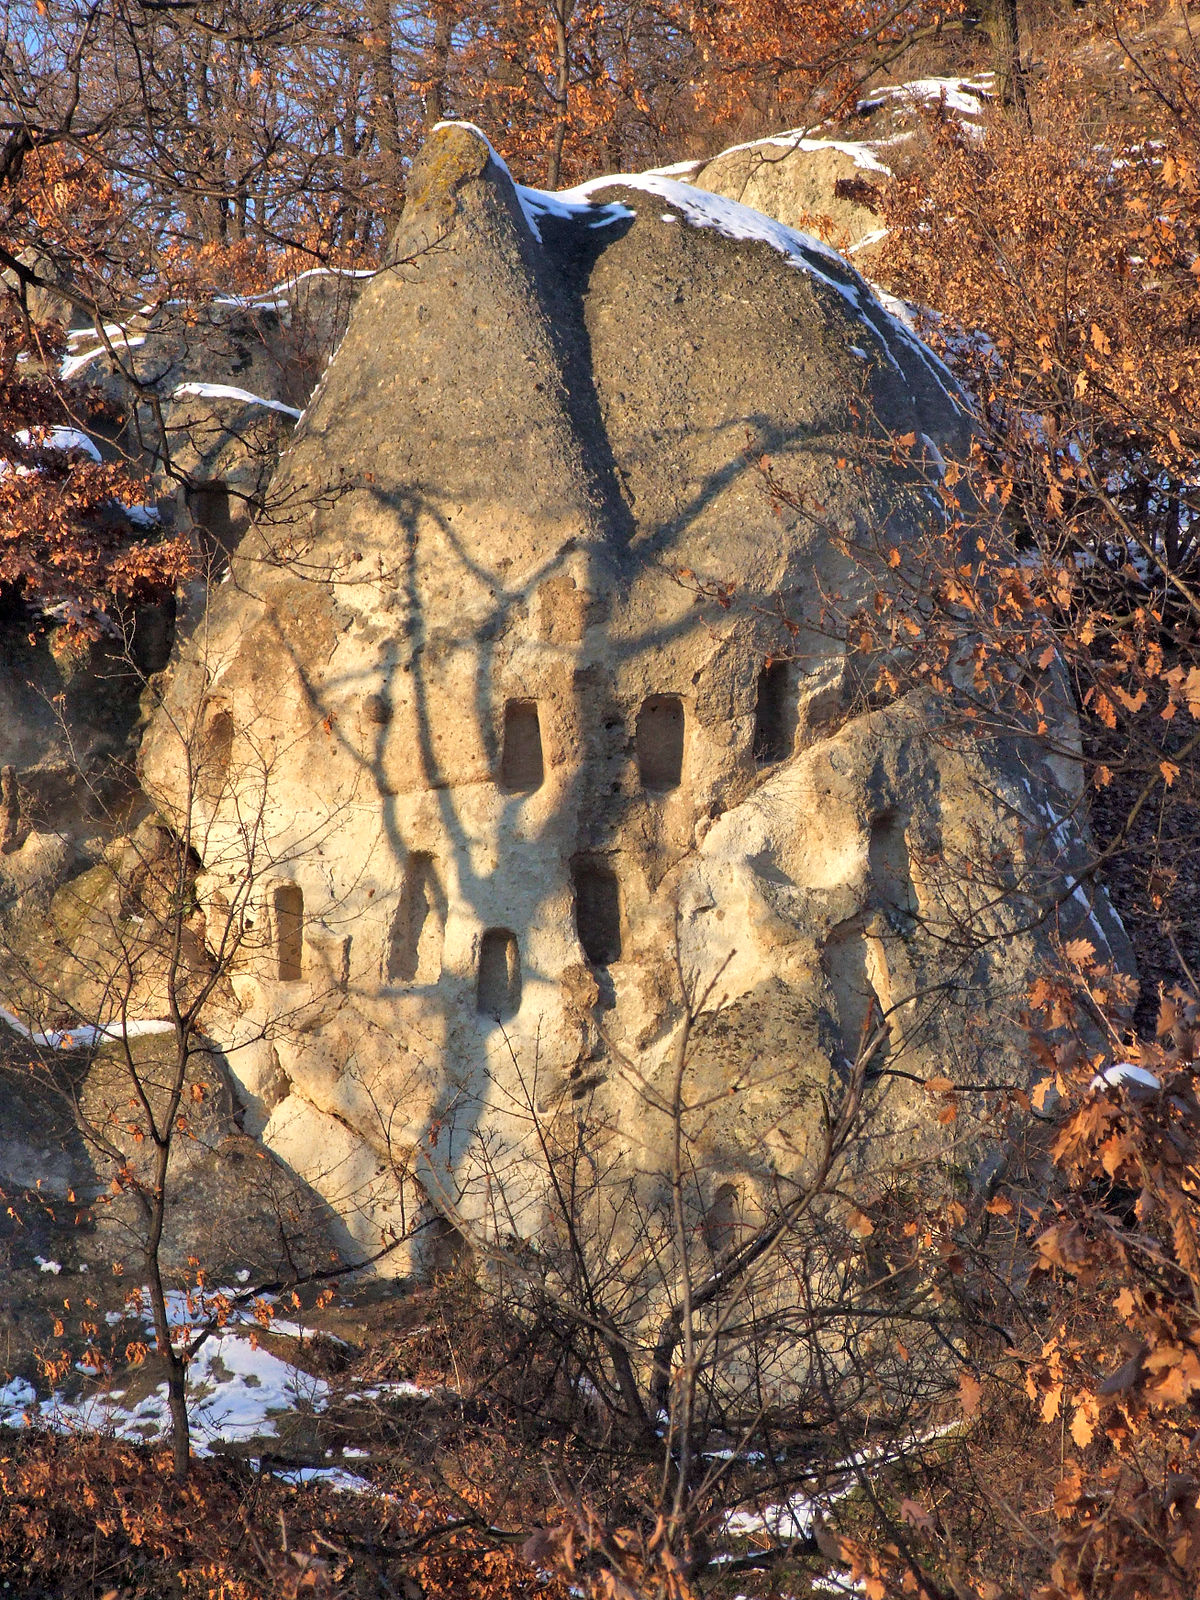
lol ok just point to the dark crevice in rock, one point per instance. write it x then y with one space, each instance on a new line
597 910
288 902
418 928
522 767
775 713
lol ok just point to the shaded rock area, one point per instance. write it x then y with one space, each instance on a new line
203 400
70 721
74 1152
208 395
543 727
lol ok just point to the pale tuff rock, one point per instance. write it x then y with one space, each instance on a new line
831 180
826 186
510 738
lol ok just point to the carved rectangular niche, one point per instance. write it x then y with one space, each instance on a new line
659 742
212 514
723 1221
215 754
288 907
498 991
418 929
775 713
521 765
597 910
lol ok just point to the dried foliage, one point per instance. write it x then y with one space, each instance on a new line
67 538
70 535
91 1516
1061 259
1034 1427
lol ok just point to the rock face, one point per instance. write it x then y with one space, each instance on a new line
831 180
217 393
828 187
218 389
509 750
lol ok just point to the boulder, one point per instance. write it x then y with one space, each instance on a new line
830 180
207 394
830 187
541 729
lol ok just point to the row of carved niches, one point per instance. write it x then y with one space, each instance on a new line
417 931
659 734
658 743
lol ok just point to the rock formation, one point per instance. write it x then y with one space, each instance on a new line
830 187
208 394
830 180
514 747
206 399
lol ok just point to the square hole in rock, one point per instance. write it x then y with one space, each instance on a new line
498 989
288 904
774 713
521 765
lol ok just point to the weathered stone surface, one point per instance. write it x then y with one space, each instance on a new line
820 186
230 1203
831 180
212 454
514 745
69 714
74 1132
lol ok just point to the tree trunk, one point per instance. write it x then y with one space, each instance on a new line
385 114
562 12
181 1437
1001 23
438 65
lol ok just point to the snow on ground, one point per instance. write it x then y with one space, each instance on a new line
330 1477
75 440
118 339
681 169
1125 1072
398 1389
144 517
794 1517
238 1390
59 439
1059 831
791 1519
226 391
68 440
85 1035
968 97
537 204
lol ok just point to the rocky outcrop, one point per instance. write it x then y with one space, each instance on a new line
534 724
208 394
203 399
831 180
829 187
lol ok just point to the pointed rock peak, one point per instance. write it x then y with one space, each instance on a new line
455 157
454 154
